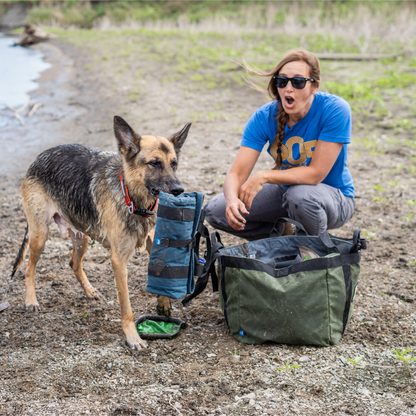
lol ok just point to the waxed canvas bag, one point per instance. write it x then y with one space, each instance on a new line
268 292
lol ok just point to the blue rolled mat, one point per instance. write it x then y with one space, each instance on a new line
171 263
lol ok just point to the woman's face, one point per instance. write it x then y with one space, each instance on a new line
297 103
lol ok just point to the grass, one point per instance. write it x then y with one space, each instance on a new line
382 22
209 60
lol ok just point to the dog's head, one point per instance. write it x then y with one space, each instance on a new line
150 161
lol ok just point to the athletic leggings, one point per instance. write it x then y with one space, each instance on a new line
316 207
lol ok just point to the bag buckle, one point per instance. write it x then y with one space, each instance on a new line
192 244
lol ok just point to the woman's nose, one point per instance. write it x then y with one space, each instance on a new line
289 86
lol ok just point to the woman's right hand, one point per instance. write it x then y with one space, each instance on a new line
234 208
240 170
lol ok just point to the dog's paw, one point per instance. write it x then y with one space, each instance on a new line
164 306
92 293
136 344
32 308
162 311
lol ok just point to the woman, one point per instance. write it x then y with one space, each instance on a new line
307 134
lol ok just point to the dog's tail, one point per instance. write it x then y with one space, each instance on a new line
22 252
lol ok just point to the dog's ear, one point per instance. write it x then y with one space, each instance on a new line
128 140
178 139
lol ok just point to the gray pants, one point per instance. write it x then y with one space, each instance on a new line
316 207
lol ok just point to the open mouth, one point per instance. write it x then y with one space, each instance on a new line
289 102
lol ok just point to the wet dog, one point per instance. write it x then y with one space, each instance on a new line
107 196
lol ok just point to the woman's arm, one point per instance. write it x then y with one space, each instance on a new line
240 170
324 157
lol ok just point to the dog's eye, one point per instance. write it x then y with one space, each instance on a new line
155 163
174 165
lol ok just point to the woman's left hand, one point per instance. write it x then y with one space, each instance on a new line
251 188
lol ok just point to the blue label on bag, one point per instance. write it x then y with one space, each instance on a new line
158 241
242 333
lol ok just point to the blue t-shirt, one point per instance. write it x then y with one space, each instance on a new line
328 119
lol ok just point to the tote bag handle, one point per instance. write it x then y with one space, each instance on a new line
278 227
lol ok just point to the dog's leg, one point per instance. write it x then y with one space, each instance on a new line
38 213
119 261
164 304
38 234
79 247
149 240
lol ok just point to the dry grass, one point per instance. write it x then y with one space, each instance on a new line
367 28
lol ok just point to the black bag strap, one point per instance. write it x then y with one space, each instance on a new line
358 243
168 242
340 248
348 295
176 214
204 271
275 232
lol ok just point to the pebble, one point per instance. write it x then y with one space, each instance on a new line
303 359
365 392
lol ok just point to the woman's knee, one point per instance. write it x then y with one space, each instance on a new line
303 205
300 198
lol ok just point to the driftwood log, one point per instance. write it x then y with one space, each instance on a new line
32 34
354 56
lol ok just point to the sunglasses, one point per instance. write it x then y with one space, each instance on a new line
297 82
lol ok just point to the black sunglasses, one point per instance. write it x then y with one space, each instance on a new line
297 82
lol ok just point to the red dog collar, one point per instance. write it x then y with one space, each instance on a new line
133 209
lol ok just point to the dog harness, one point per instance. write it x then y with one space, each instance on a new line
133 209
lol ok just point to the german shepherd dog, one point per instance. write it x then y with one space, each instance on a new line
106 196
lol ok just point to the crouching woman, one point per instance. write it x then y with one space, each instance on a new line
307 133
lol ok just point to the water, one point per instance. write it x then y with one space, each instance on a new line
19 68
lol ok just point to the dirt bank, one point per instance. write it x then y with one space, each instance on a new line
71 359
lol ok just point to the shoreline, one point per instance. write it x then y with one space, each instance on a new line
63 117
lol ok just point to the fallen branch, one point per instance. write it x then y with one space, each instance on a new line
16 114
180 414
34 108
24 106
353 56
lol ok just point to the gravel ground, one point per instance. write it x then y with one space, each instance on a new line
70 359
